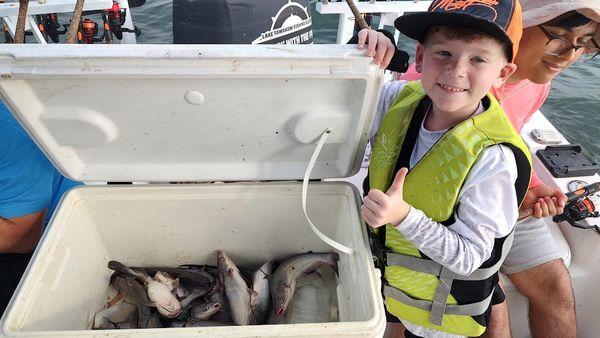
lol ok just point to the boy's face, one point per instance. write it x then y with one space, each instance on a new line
457 74
540 67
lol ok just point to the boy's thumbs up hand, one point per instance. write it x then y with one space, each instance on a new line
382 208
396 188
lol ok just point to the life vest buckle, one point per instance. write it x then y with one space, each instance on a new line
378 249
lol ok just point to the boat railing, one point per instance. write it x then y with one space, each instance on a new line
389 11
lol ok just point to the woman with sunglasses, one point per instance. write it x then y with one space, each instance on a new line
556 34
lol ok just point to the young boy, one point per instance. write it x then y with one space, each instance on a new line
555 35
449 221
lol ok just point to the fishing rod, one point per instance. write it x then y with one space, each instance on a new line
362 24
20 27
72 33
399 62
579 207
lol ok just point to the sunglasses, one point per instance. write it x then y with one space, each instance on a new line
558 45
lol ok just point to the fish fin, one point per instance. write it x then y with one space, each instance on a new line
140 275
113 276
267 276
114 300
254 298
334 267
122 268
110 321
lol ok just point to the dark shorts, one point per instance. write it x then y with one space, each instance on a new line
12 267
408 334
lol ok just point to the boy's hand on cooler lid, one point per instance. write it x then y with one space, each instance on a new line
386 208
378 46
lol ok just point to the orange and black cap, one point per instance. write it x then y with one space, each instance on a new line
499 18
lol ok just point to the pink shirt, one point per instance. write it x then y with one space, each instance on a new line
519 101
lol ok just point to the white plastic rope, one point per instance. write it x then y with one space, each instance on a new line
311 164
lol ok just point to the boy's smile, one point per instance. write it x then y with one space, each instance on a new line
450 88
457 74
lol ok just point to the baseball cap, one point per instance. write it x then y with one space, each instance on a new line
499 18
537 12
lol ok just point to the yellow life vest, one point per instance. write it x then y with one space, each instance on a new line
416 288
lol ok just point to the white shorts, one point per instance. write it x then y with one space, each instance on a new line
533 245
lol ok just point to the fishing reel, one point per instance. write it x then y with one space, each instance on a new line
113 19
49 26
579 206
88 31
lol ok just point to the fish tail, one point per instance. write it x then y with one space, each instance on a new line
122 268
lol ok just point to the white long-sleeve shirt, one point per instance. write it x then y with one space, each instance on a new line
487 203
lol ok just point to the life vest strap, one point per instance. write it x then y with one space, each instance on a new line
438 307
431 267
471 309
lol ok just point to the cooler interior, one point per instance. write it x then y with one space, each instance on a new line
154 225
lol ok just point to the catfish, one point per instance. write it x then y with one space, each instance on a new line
283 281
241 298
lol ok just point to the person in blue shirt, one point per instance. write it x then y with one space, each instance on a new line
30 188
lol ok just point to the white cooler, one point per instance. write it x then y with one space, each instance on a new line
247 115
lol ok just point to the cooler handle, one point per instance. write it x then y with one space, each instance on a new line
309 169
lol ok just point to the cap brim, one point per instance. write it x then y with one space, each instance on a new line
416 25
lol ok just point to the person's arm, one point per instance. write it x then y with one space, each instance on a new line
487 210
21 234
26 179
519 105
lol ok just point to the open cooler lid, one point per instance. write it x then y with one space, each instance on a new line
193 112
